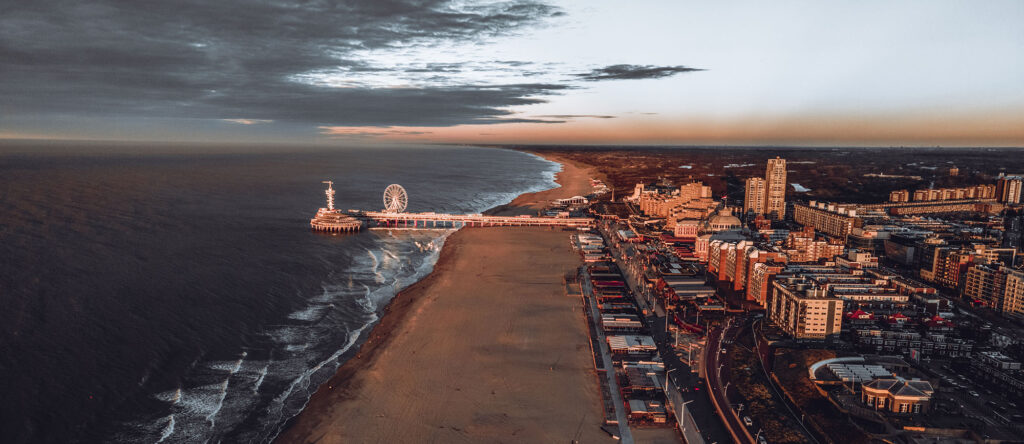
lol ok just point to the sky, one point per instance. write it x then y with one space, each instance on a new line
914 73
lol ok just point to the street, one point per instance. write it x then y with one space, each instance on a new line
698 403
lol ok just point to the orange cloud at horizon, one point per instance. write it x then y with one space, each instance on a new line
983 129
4 135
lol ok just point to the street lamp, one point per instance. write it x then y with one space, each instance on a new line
682 416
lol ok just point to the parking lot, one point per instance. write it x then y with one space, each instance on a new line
963 401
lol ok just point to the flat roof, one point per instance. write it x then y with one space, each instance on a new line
630 341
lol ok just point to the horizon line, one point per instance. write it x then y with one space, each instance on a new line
335 142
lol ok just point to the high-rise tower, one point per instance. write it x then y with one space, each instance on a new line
753 200
1008 189
775 188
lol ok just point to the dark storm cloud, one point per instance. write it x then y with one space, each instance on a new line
435 106
634 72
232 59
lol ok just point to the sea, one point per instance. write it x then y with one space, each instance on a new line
167 294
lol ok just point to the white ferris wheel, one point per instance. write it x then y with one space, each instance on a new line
395 199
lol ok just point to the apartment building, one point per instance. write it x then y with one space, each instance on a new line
804 310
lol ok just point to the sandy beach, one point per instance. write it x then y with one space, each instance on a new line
574 180
487 348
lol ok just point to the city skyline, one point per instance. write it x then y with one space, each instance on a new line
795 73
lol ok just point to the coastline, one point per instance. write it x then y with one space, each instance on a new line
573 180
318 420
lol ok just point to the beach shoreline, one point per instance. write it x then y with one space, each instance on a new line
349 383
573 180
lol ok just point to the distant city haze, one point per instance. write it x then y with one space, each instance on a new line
915 73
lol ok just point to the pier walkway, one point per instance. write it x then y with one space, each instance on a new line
438 220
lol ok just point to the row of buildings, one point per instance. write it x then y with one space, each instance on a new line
875 279
1007 189
978 268
932 194
638 370
765 259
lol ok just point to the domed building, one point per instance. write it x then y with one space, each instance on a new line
722 226
723 221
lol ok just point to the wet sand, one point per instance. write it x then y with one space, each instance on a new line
487 348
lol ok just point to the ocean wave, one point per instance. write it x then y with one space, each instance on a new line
278 407
168 429
259 380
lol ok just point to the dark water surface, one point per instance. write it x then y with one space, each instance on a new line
154 295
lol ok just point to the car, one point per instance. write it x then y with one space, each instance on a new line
723 351
761 439
747 421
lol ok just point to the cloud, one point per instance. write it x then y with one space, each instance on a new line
248 121
439 67
293 63
574 116
634 72
367 132
515 63
198 59
435 106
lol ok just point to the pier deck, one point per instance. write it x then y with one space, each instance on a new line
429 220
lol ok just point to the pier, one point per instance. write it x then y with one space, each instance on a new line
332 220
395 201
440 220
